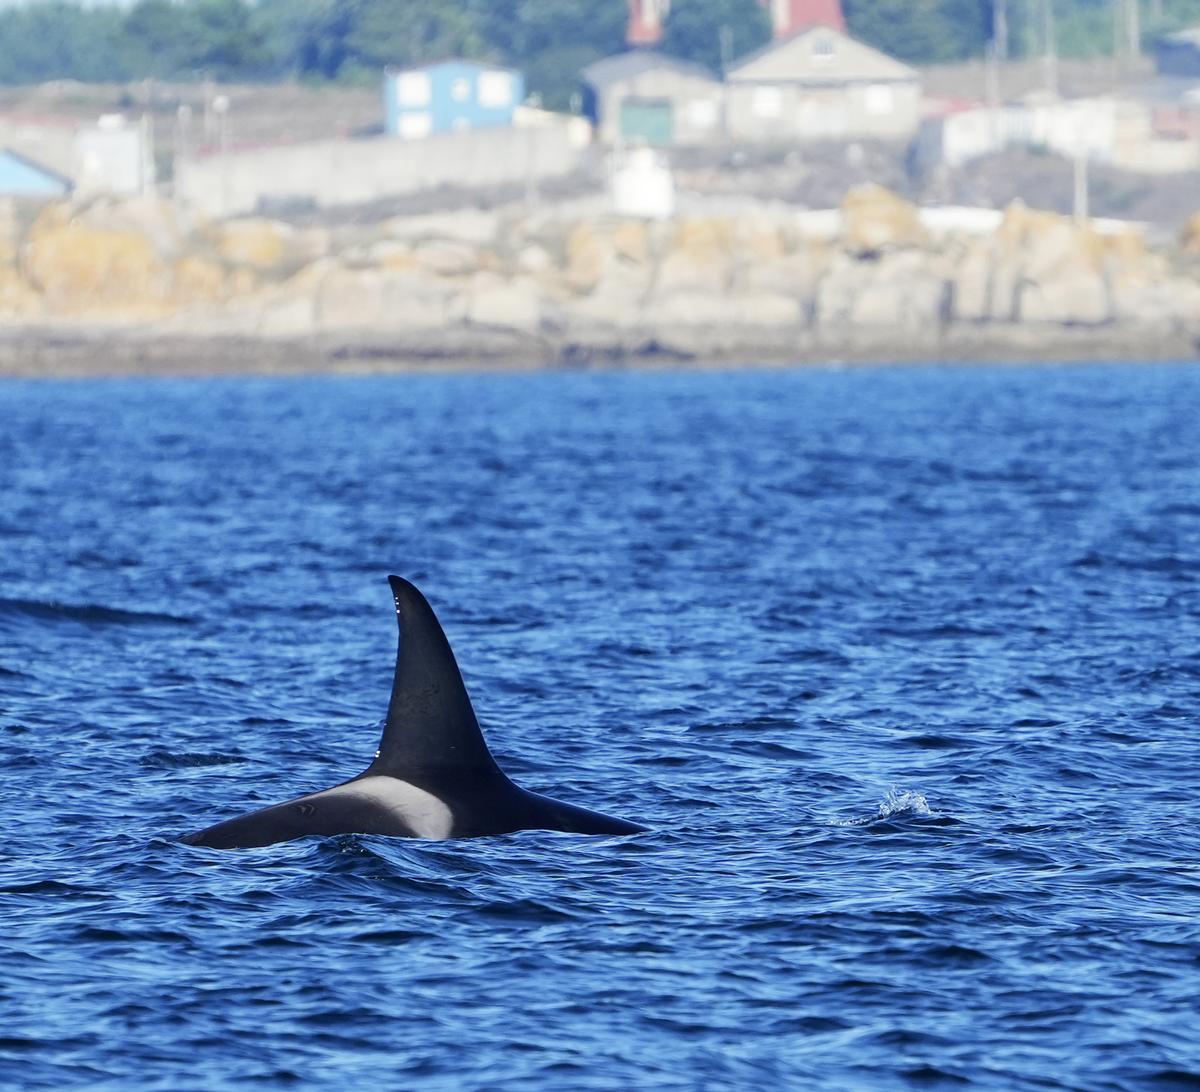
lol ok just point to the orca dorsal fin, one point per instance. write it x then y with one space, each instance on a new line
430 722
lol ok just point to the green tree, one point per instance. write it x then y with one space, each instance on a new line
60 40
923 31
550 40
307 37
694 31
156 39
406 32
229 38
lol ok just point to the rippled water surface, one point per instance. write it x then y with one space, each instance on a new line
902 668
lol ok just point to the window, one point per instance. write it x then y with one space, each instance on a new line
702 113
460 89
879 99
768 102
823 48
495 89
414 126
413 89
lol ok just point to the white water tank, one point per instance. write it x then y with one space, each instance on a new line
641 184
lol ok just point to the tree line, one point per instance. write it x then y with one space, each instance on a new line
550 40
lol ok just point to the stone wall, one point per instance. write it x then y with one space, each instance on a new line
558 284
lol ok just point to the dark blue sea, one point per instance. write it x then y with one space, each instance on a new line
900 666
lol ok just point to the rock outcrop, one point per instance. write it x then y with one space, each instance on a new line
1191 235
557 284
875 219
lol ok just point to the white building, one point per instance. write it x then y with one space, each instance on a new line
114 156
821 84
1121 132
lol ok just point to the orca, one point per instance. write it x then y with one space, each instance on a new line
433 775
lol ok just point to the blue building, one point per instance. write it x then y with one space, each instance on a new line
22 177
450 96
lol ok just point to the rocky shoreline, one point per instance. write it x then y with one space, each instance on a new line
50 354
141 288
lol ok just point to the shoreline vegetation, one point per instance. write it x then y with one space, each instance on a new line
143 288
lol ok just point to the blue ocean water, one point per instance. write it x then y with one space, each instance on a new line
901 666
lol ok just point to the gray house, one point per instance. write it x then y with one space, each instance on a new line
647 97
1179 54
821 84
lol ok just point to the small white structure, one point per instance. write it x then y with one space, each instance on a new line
114 157
641 185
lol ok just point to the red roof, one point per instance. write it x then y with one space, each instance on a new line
646 22
790 16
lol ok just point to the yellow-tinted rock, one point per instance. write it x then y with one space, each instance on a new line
874 219
162 223
1191 235
17 299
631 241
198 280
586 256
1048 242
793 274
448 257
705 240
10 233
1127 247
260 244
761 243
53 218
80 269
242 282
699 259
393 255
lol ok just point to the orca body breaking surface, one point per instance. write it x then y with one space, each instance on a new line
433 776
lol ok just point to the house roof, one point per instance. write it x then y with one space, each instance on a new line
625 66
795 60
40 168
466 62
797 15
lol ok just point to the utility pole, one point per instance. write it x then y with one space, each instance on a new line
1133 27
1050 48
992 83
725 41
1127 29
1000 28
1080 201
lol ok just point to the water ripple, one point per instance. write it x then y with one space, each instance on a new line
899 666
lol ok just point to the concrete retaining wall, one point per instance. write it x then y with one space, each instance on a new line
347 172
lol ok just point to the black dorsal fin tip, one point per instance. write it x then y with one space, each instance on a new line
402 589
430 722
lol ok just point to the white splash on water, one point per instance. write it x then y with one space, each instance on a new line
903 803
896 803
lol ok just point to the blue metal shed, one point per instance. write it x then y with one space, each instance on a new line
22 177
449 96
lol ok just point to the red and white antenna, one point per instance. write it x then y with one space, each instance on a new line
788 17
646 18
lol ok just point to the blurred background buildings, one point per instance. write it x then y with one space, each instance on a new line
485 95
